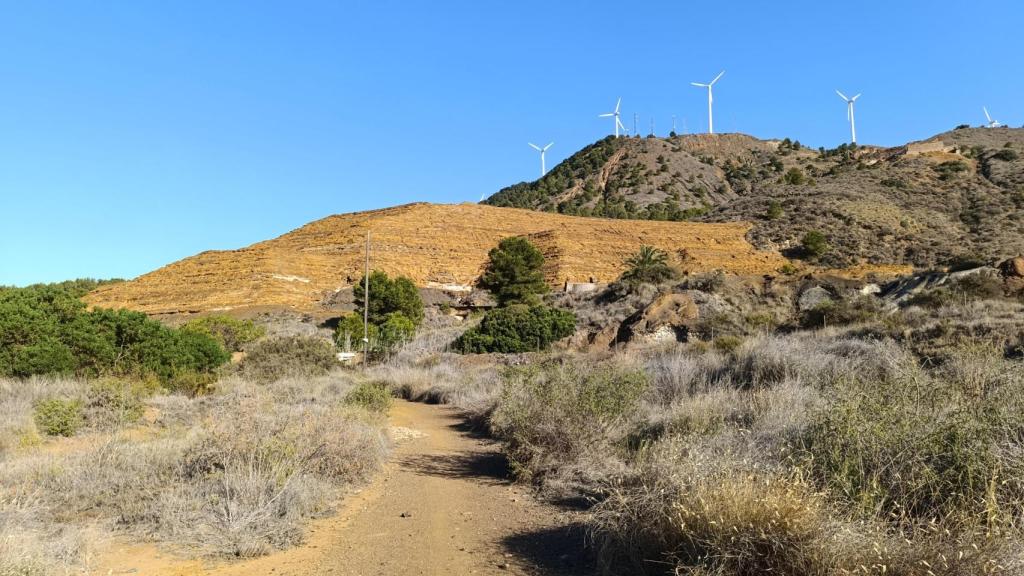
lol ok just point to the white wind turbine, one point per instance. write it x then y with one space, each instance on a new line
615 114
543 170
849 114
711 128
991 123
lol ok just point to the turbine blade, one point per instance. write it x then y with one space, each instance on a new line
606 115
617 104
987 117
699 84
534 146
843 96
548 146
717 77
854 99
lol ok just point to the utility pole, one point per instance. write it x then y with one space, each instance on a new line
366 304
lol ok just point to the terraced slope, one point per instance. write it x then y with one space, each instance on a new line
432 244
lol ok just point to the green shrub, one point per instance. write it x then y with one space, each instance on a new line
514 273
58 416
517 328
47 330
274 358
648 266
231 333
111 402
1006 155
814 244
396 330
727 343
915 446
774 210
373 396
389 295
794 176
841 312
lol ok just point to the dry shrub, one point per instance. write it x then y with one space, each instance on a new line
564 423
235 473
690 509
274 358
471 387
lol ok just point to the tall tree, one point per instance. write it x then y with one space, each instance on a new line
514 272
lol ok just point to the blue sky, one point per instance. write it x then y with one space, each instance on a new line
136 133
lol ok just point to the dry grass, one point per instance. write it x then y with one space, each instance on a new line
236 473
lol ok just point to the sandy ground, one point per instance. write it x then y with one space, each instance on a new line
442 505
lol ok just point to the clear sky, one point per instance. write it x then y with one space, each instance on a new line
136 133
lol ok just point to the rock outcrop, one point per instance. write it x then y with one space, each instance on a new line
667 319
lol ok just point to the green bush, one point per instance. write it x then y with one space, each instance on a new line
231 333
794 176
396 330
111 402
373 396
514 272
915 446
275 358
1006 155
349 333
774 210
389 295
648 266
814 244
47 330
58 416
841 313
517 328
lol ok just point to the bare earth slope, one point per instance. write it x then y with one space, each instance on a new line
433 244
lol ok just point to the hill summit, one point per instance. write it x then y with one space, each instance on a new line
436 245
956 196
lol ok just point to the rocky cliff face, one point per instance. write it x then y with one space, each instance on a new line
435 245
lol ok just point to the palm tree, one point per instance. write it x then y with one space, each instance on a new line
648 266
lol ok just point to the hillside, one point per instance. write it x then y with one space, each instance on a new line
957 196
435 245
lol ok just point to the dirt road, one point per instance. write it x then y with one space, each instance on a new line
443 505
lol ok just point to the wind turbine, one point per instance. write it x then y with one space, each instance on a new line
711 129
543 171
615 114
849 114
991 123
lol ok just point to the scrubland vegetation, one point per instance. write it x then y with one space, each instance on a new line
891 441
124 426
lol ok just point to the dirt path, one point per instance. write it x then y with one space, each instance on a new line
443 505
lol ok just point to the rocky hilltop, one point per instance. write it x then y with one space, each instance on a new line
435 245
957 196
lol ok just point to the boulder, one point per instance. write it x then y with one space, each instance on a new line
813 297
667 319
1012 267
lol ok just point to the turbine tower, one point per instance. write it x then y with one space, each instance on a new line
615 114
543 171
711 128
991 123
849 114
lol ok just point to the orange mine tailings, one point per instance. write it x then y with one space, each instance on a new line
434 244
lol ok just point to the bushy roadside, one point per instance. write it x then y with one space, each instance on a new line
234 473
825 452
